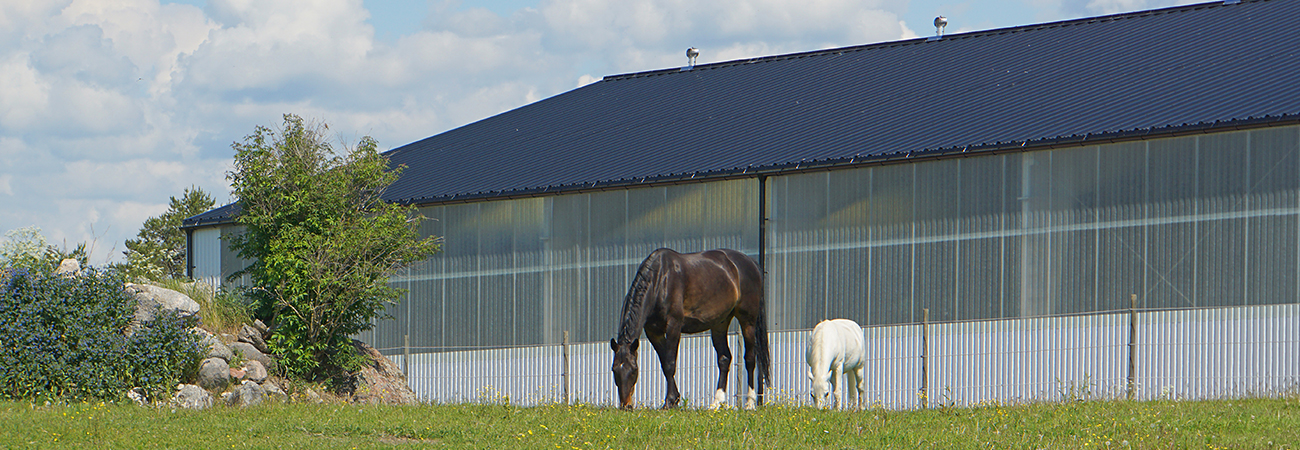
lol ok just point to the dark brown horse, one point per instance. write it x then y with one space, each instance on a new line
676 293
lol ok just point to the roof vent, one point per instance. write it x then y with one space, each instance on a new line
691 54
939 23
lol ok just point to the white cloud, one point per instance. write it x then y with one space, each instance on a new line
109 108
1057 9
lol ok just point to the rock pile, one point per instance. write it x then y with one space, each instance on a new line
380 381
239 367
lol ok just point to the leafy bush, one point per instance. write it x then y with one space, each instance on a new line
322 241
162 353
63 338
26 248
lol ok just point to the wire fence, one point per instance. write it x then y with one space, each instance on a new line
1140 354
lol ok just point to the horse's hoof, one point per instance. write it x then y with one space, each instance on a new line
719 399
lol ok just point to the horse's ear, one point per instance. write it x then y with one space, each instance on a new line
634 344
613 344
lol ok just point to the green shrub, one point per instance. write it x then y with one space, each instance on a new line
62 338
162 353
322 241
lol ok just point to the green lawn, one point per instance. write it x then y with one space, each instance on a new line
1251 423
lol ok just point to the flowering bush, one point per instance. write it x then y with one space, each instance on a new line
63 338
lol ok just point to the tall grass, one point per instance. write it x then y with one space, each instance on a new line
1248 423
220 310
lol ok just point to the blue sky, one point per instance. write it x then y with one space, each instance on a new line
107 108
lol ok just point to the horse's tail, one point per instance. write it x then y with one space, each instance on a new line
634 302
764 351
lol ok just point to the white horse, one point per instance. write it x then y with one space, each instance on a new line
835 348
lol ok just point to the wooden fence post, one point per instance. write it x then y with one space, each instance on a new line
925 357
1132 342
406 357
565 345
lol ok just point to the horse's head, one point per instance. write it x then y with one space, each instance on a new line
625 371
821 391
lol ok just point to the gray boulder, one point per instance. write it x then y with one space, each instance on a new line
149 299
274 392
137 395
254 371
250 353
252 336
189 396
312 396
68 268
215 348
247 393
380 381
214 373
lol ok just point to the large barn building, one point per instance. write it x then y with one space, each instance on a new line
1044 170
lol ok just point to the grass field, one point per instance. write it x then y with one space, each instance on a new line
1249 423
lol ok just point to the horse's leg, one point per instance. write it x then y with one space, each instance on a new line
666 346
859 386
724 365
750 334
837 379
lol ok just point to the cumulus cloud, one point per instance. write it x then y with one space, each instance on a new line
1056 9
109 108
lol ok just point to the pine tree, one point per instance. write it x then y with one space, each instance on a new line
159 251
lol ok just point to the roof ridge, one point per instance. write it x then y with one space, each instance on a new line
923 40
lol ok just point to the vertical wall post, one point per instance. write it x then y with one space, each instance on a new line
564 344
1132 342
189 255
925 357
406 357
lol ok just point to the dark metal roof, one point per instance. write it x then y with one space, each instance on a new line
1187 69
222 215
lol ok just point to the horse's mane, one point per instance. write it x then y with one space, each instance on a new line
634 304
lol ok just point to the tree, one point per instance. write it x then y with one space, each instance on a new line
23 248
26 248
159 251
322 240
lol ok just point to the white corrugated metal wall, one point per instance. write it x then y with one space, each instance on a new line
207 247
1185 354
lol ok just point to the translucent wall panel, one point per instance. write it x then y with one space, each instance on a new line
1121 238
982 216
1072 263
937 205
524 271
799 300
1197 221
1172 239
1193 221
1221 182
1271 252
890 230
